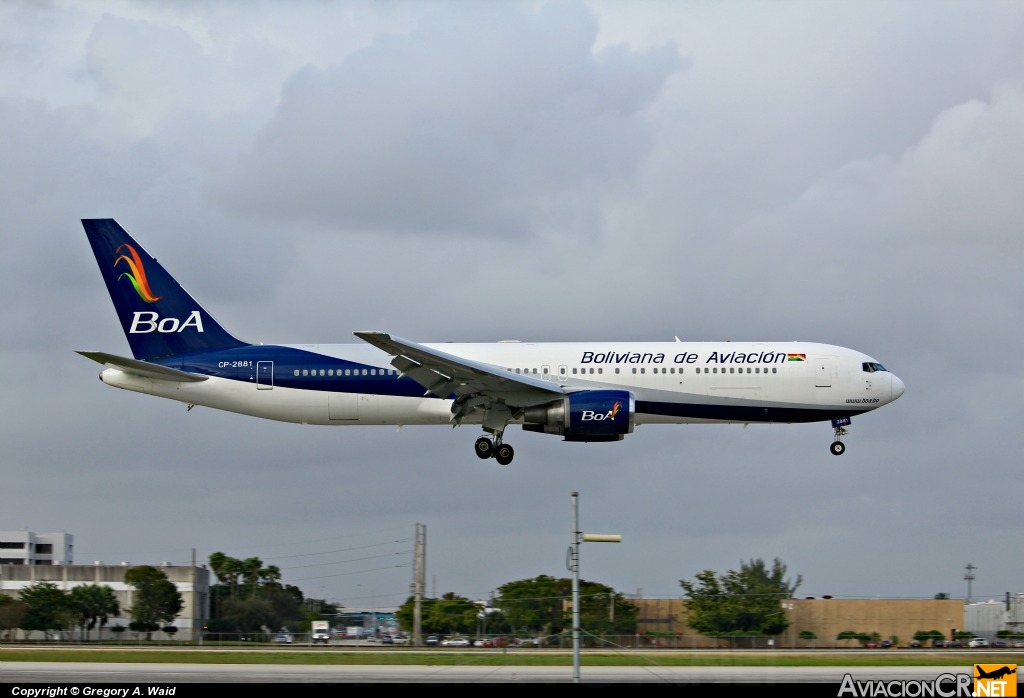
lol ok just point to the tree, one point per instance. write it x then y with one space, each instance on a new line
744 602
261 601
228 570
807 635
252 567
933 636
534 605
544 605
48 607
942 595
93 604
156 600
250 615
450 614
12 615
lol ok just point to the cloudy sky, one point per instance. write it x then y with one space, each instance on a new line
842 172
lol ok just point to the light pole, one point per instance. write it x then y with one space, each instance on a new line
574 565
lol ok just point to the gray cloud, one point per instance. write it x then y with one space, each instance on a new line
410 134
542 171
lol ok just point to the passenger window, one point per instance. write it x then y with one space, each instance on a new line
295 372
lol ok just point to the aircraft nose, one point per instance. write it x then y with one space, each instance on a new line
897 387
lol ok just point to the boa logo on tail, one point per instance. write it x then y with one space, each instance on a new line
136 273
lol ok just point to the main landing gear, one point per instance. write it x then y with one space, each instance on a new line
501 452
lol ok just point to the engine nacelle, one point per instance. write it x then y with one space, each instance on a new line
590 415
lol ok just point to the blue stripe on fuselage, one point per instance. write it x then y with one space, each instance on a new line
240 364
743 413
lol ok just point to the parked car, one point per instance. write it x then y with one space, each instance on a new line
978 642
283 638
999 643
914 643
1018 643
431 640
456 642
399 640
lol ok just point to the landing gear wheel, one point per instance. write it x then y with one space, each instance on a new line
503 454
483 447
837 448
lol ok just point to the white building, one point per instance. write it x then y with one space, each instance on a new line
28 558
989 617
28 548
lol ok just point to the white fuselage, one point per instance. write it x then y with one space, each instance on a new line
673 382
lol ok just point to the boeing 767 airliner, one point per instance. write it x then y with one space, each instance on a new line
581 391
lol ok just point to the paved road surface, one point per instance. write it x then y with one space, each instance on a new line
175 674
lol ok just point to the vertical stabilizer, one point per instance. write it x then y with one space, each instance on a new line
158 316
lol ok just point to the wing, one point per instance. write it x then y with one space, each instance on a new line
142 368
475 385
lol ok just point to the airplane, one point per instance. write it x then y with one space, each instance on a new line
596 391
994 674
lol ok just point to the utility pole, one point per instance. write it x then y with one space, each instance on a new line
420 566
969 576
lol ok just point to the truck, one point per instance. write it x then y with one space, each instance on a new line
321 632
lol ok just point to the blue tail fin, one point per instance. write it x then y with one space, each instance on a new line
159 317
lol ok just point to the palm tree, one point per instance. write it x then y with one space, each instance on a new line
93 604
251 568
271 575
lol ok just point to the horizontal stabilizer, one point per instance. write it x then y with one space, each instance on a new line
142 368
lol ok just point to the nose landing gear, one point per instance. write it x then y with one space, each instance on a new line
838 448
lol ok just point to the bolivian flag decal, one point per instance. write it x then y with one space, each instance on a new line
796 357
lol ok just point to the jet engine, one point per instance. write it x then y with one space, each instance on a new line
589 415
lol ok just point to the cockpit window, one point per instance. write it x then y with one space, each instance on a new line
872 366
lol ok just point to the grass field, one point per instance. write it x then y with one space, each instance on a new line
520 657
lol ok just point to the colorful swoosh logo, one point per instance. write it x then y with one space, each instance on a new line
136 273
615 409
